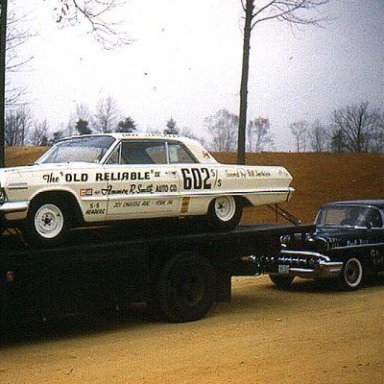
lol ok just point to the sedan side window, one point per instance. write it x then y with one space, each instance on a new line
374 218
114 157
179 154
143 152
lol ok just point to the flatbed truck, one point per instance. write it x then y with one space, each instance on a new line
178 270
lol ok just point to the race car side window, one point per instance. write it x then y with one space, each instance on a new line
114 157
179 154
143 152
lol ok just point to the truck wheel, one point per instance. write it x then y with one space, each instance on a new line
224 213
281 281
48 221
186 288
351 275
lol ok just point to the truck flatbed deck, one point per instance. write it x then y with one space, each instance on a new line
176 267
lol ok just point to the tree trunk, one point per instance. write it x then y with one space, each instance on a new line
3 38
244 83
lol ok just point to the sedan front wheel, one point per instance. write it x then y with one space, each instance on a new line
351 275
48 221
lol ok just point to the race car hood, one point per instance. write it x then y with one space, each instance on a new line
47 167
32 169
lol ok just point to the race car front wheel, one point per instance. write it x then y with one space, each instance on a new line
48 221
224 213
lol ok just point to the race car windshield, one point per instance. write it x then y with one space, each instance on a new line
349 216
80 149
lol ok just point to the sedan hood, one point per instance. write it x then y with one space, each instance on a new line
346 233
49 167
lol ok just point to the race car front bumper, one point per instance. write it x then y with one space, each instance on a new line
305 264
14 211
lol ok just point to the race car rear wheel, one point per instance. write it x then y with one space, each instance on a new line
48 221
281 281
225 212
351 275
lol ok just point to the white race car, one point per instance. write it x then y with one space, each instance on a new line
109 177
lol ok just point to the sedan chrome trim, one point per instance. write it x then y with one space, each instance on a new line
18 186
16 206
358 246
306 253
323 267
195 194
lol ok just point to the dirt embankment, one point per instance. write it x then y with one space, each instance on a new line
317 177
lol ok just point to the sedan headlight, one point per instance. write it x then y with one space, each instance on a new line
285 239
322 245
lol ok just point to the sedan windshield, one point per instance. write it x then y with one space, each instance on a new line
89 149
349 216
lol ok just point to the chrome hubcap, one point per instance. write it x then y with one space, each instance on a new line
49 221
225 208
353 273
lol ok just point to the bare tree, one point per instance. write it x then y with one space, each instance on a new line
259 135
189 132
17 35
222 129
82 113
107 115
95 13
357 125
294 12
318 137
337 141
68 12
377 136
299 130
17 125
39 135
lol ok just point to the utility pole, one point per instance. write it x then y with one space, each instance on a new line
244 82
3 42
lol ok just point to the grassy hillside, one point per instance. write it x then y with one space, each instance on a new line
317 177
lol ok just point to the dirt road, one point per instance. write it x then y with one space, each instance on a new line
305 335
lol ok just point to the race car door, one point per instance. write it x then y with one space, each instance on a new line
141 183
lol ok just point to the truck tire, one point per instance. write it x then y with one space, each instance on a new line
224 213
49 221
351 275
186 288
281 281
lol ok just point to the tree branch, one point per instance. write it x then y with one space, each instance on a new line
92 11
286 10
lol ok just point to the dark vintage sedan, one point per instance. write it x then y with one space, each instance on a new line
347 245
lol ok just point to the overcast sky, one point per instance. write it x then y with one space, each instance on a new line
185 62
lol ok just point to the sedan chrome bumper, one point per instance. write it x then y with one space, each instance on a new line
14 210
304 264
